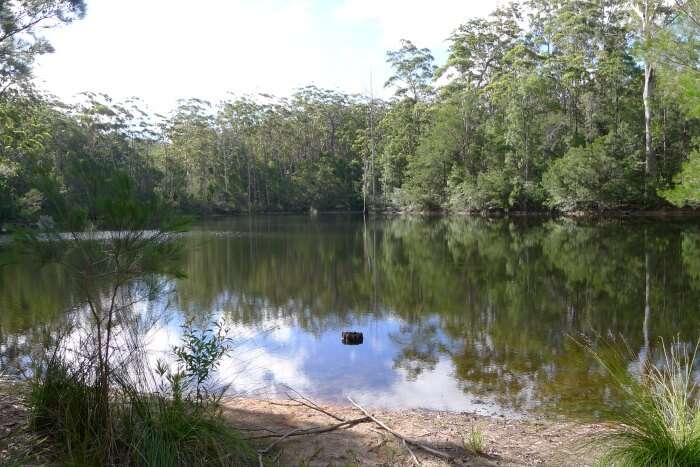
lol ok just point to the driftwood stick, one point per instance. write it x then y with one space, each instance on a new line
432 451
312 405
305 431
251 429
280 439
415 459
314 430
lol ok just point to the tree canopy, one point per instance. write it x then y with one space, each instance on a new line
565 105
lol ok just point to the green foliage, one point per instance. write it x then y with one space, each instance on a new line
525 91
659 424
475 441
20 42
686 191
590 178
200 354
490 190
414 70
163 432
63 405
168 427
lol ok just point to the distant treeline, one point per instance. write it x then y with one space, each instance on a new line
544 105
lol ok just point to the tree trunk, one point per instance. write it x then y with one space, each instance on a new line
648 149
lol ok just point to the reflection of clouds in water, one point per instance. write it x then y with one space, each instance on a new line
276 353
260 371
282 334
252 366
436 389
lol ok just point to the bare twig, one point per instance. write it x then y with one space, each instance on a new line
314 430
276 433
435 452
305 401
284 404
280 439
312 405
415 459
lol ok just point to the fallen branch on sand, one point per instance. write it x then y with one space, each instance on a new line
343 424
314 430
406 441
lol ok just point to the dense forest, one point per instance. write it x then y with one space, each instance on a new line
563 105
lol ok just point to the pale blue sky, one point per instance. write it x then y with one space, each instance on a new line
162 50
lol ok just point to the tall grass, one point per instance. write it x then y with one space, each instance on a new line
172 423
66 407
659 423
162 432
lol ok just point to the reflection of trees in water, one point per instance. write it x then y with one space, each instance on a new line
420 347
505 295
498 298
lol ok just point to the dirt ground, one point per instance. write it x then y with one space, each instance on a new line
18 446
507 442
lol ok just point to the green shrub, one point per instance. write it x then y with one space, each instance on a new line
494 189
686 191
476 441
591 177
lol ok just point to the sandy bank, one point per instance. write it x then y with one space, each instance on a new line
507 442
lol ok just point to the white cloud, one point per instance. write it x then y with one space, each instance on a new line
427 24
162 50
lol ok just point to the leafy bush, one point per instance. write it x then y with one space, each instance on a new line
494 189
686 192
200 354
423 187
591 177
488 191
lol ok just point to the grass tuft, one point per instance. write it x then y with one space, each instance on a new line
659 423
161 432
475 442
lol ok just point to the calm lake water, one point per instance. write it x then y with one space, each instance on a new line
458 314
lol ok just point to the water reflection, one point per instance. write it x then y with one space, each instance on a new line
459 314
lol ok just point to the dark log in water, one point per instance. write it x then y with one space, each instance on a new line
352 338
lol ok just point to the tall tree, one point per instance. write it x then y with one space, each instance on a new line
647 15
19 41
413 71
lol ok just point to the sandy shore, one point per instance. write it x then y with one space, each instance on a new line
507 442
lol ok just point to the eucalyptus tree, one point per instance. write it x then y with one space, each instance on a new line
680 72
648 17
452 147
193 145
413 72
20 42
24 136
